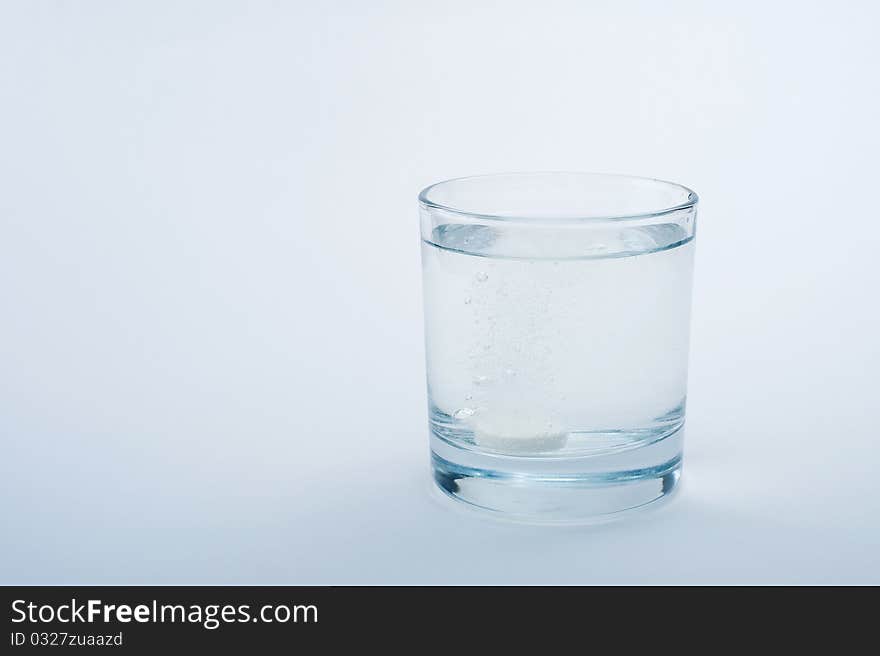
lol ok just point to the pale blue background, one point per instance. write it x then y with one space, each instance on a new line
211 342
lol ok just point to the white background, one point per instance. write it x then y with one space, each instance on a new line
211 361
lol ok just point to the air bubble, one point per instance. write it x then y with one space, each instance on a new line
463 413
482 276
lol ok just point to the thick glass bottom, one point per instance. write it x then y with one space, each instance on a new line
576 490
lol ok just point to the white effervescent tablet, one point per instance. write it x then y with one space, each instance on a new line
513 434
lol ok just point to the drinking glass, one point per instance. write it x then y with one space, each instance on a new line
557 310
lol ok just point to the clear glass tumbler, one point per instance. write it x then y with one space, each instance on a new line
557 311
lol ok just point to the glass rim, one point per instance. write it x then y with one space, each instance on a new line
691 202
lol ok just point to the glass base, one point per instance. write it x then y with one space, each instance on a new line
590 489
